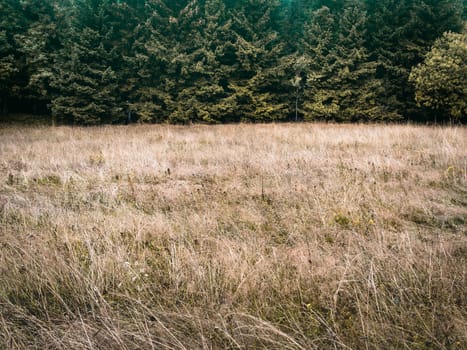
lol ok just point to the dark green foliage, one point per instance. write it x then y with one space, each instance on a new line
11 24
197 72
141 58
257 82
399 34
214 61
441 80
84 78
292 17
342 83
37 47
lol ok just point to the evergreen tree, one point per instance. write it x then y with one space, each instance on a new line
258 81
341 78
319 42
357 83
200 74
173 36
84 79
11 24
140 61
37 47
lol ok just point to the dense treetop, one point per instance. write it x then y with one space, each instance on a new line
213 61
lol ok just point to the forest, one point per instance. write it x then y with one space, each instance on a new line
91 62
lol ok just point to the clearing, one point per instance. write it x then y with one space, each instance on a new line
279 236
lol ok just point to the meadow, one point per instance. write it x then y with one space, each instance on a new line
277 236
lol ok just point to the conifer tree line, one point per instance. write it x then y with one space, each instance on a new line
214 61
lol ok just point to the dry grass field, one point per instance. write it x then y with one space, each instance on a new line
290 236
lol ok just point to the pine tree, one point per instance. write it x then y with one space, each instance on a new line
200 72
84 79
11 24
173 32
318 42
357 83
140 60
257 83
37 46
341 78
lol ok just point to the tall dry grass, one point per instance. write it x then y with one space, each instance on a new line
299 236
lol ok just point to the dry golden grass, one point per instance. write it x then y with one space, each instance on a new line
291 236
